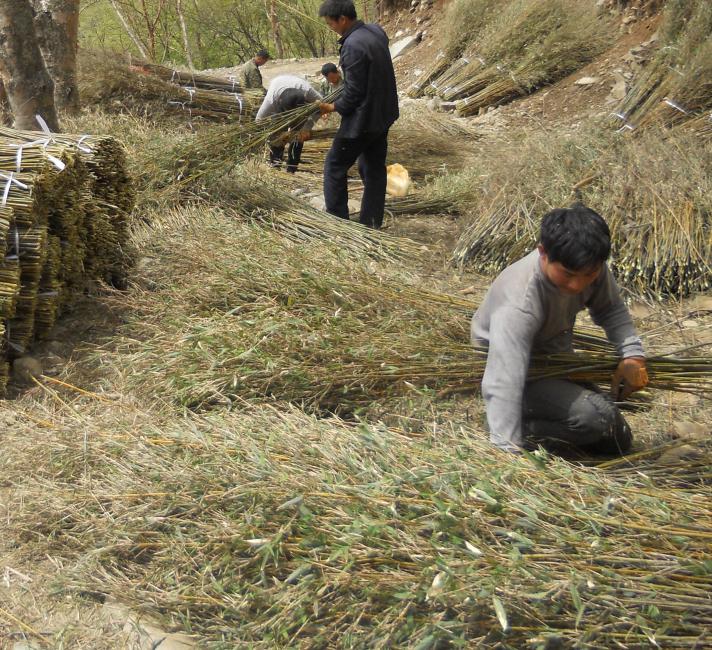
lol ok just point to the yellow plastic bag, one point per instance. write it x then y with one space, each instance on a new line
399 182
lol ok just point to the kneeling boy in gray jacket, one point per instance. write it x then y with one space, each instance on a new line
531 309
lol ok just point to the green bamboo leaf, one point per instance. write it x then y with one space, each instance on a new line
501 613
578 603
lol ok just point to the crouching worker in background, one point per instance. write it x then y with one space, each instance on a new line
531 309
287 92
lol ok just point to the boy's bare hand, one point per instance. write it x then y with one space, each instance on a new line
630 375
326 108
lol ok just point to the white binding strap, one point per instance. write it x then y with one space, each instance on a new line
81 147
10 180
675 105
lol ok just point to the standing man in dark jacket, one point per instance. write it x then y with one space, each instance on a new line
368 106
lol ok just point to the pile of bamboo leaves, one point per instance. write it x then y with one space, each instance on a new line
60 196
675 87
517 49
268 528
255 317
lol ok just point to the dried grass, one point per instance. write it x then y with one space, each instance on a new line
276 529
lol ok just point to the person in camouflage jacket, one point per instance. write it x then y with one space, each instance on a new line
250 75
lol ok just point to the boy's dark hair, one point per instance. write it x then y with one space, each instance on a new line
328 68
337 8
263 54
290 99
577 237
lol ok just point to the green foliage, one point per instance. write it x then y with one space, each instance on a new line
220 33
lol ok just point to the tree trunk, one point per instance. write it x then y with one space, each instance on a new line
57 28
5 111
276 31
184 32
30 89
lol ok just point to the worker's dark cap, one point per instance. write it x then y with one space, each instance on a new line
328 68
264 54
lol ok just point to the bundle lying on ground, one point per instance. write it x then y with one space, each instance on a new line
107 200
268 529
58 227
254 317
654 192
519 48
251 190
676 86
112 84
188 79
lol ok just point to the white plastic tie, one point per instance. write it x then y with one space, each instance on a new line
56 162
10 181
18 158
676 106
81 147
239 101
17 242
43 125
61 166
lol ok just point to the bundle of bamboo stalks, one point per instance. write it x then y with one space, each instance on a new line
98 210
9 286
676 86
519 48
251 191
54 186
651 190
435 69
188 79
188 164
132 88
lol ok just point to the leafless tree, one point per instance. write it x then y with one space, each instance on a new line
271 9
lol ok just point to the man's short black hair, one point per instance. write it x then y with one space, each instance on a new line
576 237
337 8
291 99
263 54
328 68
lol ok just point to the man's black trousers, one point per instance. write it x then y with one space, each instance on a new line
370 150
294 155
